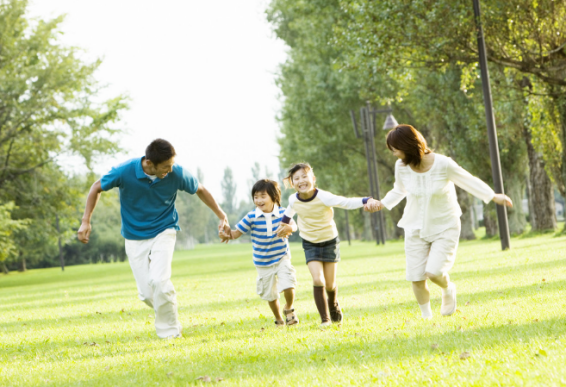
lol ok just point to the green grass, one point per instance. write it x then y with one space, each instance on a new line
86 327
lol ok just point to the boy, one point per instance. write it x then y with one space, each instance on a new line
271 254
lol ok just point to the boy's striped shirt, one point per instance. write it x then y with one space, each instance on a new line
268 248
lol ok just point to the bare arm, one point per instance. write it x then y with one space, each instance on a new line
92 199
207 199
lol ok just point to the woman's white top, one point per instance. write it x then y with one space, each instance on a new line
432 204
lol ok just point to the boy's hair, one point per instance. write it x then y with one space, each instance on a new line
410 141
270 187
159 151
288 181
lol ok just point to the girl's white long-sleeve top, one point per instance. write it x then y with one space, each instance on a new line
316 216
432 205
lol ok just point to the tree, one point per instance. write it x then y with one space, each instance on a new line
520 35
8 227
47 109
229 192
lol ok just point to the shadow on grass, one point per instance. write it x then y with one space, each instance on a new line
331 349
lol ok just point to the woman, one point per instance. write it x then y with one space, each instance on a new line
431 218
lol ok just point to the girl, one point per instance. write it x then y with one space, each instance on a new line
431 218
319 233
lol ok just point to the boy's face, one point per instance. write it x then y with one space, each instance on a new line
263 201
304 181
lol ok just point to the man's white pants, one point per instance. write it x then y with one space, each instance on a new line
150 260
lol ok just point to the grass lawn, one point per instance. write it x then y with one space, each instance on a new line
86 326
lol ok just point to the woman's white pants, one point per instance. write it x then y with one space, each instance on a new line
150 260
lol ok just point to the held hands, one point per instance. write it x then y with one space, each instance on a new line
224 230
373 205
224 237
503 200
284 230
84 232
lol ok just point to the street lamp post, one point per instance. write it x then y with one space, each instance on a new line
368 131
491 131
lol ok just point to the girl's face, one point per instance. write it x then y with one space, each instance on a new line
263 201
397 153
304 181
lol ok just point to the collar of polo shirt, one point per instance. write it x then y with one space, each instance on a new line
275 212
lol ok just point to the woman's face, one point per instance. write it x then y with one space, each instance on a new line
397 153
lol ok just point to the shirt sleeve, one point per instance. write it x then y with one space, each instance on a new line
189 183
245 225
112 179
289 212
331 200
468 182
398 192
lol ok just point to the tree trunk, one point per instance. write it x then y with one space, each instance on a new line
61 259
4 268
516 215
490 221
467 216
560 103
542 212
22 263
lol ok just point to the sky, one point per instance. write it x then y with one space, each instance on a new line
200 74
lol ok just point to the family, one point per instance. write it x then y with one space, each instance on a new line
431 221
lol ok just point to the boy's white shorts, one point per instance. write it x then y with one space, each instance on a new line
434 254
272 280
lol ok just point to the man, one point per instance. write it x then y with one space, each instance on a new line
148 190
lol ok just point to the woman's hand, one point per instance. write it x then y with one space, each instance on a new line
373 205
503 200
284 230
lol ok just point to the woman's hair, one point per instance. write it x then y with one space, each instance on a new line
159 151
409 141
288 181
270 187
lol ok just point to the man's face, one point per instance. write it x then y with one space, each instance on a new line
162 169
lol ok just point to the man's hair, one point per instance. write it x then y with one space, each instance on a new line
159 151
409 141
294 169
270 187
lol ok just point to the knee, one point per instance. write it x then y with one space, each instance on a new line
434 277
318 281
419 284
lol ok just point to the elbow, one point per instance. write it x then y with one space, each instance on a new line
96 187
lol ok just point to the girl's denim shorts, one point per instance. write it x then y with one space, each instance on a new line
328 251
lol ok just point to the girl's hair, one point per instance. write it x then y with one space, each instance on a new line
288 181
409 141
270 187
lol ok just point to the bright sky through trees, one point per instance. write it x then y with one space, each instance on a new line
199 73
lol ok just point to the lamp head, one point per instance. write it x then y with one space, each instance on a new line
390 122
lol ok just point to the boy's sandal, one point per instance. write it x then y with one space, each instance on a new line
279 323
292 319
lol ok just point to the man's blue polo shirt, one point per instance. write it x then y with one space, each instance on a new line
147 208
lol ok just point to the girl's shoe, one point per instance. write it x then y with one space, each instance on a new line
290 317
336 314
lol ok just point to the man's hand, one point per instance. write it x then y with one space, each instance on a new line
284 230
84 232
503 200
373 205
